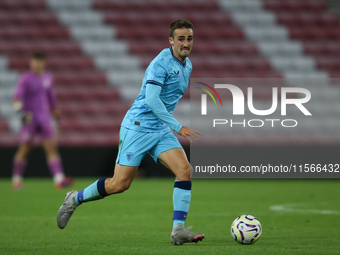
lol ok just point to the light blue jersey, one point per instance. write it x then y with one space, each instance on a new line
172 76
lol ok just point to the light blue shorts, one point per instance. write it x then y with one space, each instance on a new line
134 145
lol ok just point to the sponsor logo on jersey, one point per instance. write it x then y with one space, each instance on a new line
129 155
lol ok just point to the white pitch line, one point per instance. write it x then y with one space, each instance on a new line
289 208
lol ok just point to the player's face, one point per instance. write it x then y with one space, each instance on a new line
182 42
37 65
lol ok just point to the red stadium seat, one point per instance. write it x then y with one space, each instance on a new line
81 78
330 64
295 5
95 108
91 111
332 49
32 33
92 124
57 49
318 48
78 64
24 18
154 6
8 140
103 94
3 126
27 5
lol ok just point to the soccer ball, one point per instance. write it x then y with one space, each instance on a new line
246 229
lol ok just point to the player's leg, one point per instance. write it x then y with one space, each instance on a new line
101 188
176 160
170 153
19 164
129 156
55 164
121 181
20 159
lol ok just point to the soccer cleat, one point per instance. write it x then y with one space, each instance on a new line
180 235
17 184
66 209
66 182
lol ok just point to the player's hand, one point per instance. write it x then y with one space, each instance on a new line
56 117
26 118
186 132
57 126
56 113
17 105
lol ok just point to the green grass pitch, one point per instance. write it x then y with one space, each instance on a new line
306 219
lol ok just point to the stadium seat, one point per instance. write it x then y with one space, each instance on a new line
90 94
293 5
20 49
313 25
28 5
57 64
303 19
154 6
3 126
21 18
89 106
92 111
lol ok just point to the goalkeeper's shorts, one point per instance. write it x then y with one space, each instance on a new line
29 131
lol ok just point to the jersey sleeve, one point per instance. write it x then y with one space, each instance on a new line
52 97
20 89
153 101
157 74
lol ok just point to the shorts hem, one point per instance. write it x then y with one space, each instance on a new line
167 149
127 164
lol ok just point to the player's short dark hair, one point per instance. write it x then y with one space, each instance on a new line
38 55
181 23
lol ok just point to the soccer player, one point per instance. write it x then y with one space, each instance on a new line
146 129
35 99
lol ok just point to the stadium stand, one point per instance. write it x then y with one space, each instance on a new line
334 5
282 31
98 50
228 53
91 109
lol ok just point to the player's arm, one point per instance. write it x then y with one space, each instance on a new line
17 105
153 101
26 117
186 132
52 100
19 94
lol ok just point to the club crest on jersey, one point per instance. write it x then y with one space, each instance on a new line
129 155
177 73
46 83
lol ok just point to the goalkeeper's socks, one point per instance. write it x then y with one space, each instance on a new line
93 192
56 169
181 201
19 167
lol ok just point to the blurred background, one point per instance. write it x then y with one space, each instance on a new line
98 51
